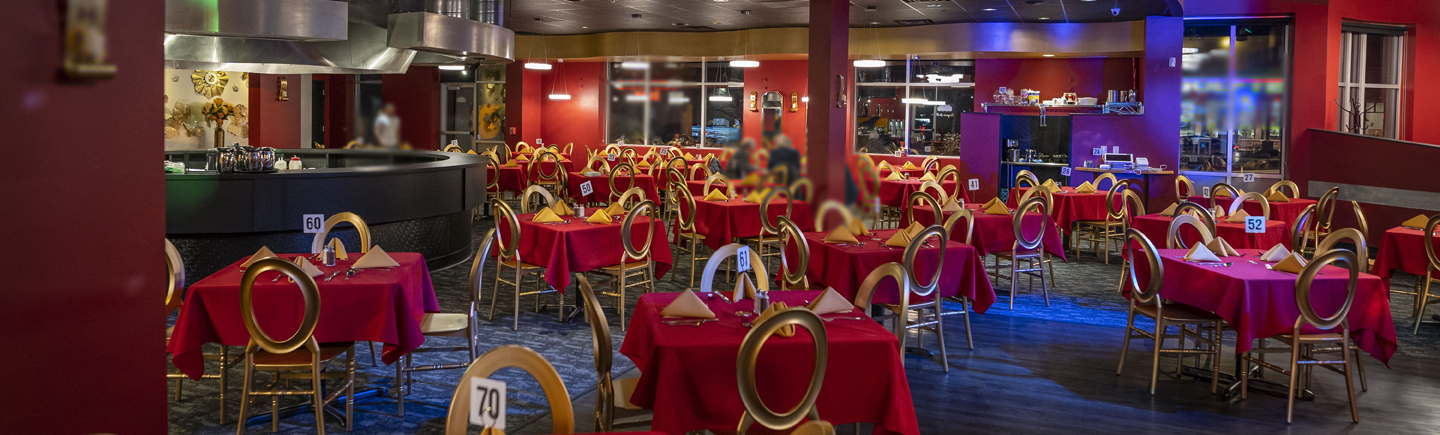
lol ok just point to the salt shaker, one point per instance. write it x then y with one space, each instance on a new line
329 255
762 301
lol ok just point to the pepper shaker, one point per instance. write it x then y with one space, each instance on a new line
329 255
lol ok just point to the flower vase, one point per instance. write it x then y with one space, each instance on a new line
219 136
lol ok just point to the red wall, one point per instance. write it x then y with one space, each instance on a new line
579 120
522 103
1345 152
274 123
339 108
86 332
1086 77
785 77
416 96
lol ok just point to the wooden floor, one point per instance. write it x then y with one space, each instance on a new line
1038 376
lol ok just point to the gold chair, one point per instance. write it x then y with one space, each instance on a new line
635 262
909 315
767 243
685 230
1173 239
1362 254
608 393
1184 188
1026 176
746 362
448 325
704 172
675 187
929 162
725 253
603 165
631 197
826 208
1028 250
1423 299
790 232
1049 200
954 174
1147 302
924 198
1106 232
527 198
1215 192
1240 202
964 310
562 414
317 245
1360 223
719 180
554 180
452 148
294 355
569 148
779 175
629 170
1324 215
802 189
510 258
1280 185
174 292
1301 346
1300 231
1199 212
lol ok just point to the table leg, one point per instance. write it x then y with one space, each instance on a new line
1231 382
330 410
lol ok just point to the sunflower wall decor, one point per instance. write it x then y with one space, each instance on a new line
209 83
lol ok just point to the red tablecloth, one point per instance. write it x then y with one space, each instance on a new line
1287 212
993 232
895 193
913 173
845 267
580 246
687 374
601 184
1156 227
1404 249
723 221
1260 303
512 179
373 305
1070 206
697 187
547 166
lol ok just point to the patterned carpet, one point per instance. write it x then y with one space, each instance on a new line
1086 294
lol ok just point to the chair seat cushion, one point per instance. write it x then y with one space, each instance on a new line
1178 312
628 267
437 323
523 265
301 356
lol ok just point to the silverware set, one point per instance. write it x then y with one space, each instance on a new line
832 319
690 322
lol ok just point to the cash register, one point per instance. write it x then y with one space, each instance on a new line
1118 161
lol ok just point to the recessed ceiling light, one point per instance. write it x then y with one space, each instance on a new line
933 5
453 67
1048 55
584 27
1044 18
723 1
988 9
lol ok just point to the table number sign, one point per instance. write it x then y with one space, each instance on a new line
665 152
487 402
1205 192
1255 224
313 223
539 141
610 156
927 148
974 184
742 256
586 189
1065 171
1248 178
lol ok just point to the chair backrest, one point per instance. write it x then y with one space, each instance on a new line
1215 192
704 171
1026 176
828 206
645 208
767 225
504 214
674 175
1172 237
600 343
1151 291
868 181
1043 194
924 198
748 359
718 178
556 171
604 167
304 335
789 232
629 170
929 162
1325 208
1184 188
1430 242
1300 229
1304 282
178 274
522 147
562 415
1354 237
779 175
569 148
172 297
477 270
885 165
528 196
318 243
1117 210
802 189
929 185
686 217
492 172
1200 212
632 194
1017 223
757 265
1114 182
1240 202
452 148
892 270
1134 206
921 241
954 174
1360 222
955 217
677 161
1279 185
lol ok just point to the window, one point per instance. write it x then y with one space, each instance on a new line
659 102
913 105
1370 69
1233 107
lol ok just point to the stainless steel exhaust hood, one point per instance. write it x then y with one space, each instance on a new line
448 36
294 20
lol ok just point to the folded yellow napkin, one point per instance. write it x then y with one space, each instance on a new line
755 197
900 239
915 228
1222 248
522 158
510 164
744 288
1417 222
951 206
1218 213
997 208
688 156
308 267
562 209
1169 211
894 176
775 308
262 254
545 215
1276 253
688 305
830 302
991 202
753 178
1085 187
1199 253
1291 263
375 258
1050 184
841 234
1277 196
927 177
715 195
908 165
472 152
1226 193
615 209
643 164
339 247
857 227
1239 216
599 217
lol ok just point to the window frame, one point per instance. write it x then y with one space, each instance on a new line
1231 174
705 84
910 86
1353 51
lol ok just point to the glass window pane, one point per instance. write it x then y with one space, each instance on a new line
723 109
1204 106
879 118
1206 51
1380 111
1381 64
1259 112
688 72
627 111
943 71
935 129
892 72
674 112
1260 51
721 72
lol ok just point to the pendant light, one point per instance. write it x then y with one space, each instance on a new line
936 102
559 77
542 65
742 62
637 63
876 62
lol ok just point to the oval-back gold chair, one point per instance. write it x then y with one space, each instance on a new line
1200 212
1184 188
761 281
1302 345
1114 182
748 359
1026 176
449 325
866 292
630 174
600 344
1146 301
928 315
826 208
929 185
704 172
685 230
1300 231
954 174
1043 194
554 179
631 196
955 217
1351 236
768 242
299 352
528 197
1222 187
1240 202
920 197
1173 238
509 257
802 189
1103 233
318 242
1424 299
790 232
929 162
724 183
886 166
779 175
562 415
1324 213
603 168
636 262
1280 185
1360 222
1026 249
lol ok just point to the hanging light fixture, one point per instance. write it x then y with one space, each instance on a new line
559 77
634 64
722 94
876 62
936 102
913 100
452 67
637 63
742 62
541 65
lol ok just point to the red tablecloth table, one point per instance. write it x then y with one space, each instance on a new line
687 373
547 166
1287 212
844 267
1403 248
1260 303
724 221
993 232
895 193
697 187
579 246
373 305
1156 227
512 179
601 186
1070 206
912 173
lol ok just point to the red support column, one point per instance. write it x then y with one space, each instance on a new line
829 67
